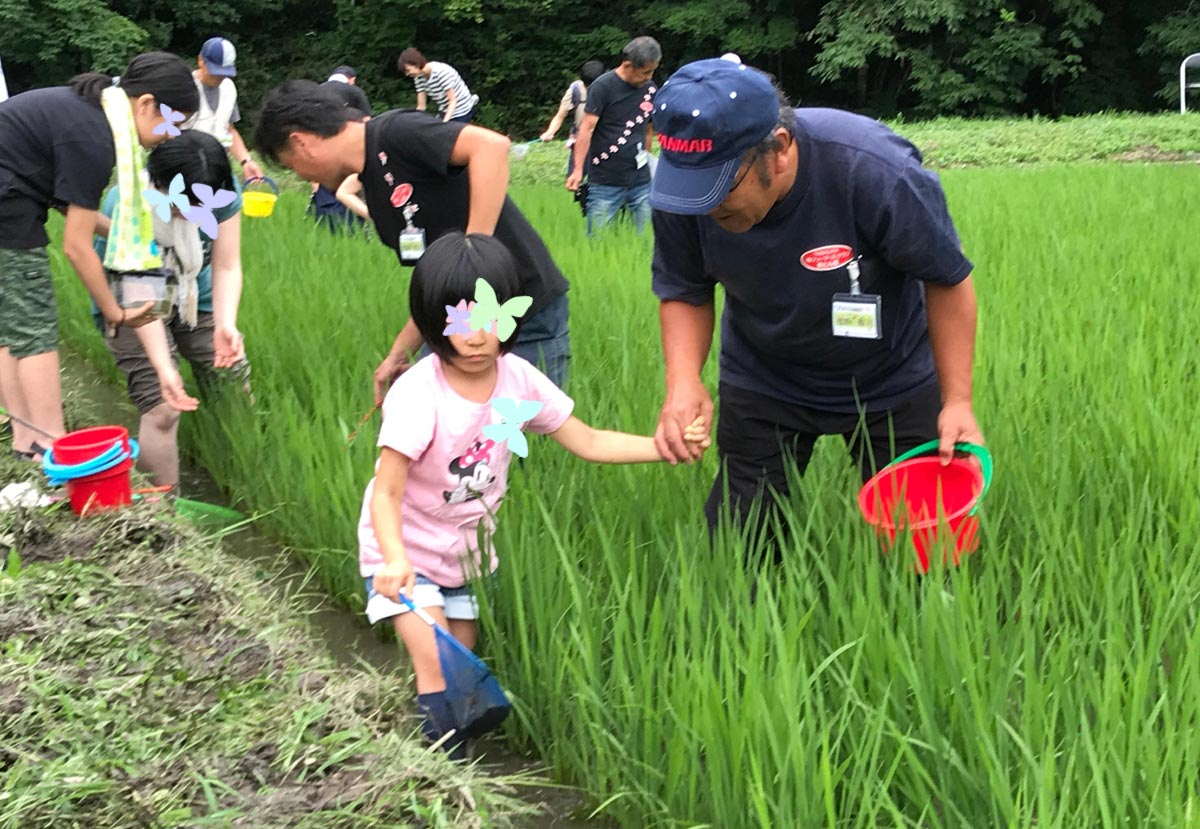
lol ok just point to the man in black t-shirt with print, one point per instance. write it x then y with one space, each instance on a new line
849 306
612 148
422 178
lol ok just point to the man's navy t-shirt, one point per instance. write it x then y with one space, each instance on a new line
56 149
623 111
860 187
407 166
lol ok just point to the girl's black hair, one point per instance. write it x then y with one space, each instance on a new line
199 157
161 74
446 274
298 106
591 70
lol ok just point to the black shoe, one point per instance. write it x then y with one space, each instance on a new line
31 456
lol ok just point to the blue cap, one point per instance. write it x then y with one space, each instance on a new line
219 56
707 115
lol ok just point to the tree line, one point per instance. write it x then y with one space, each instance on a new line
887 58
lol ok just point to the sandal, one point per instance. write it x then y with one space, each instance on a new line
34 454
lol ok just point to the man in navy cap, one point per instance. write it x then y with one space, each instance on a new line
849 306
216 69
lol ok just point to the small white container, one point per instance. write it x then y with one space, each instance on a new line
133 289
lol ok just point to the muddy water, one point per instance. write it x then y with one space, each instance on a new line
349 640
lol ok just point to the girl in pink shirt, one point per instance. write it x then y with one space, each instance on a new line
440 479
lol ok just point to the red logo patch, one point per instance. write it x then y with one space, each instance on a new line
685 145
827 258
401 195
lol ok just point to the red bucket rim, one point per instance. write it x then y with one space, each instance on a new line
866 501
98 438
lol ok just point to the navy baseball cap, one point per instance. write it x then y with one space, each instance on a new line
707 116
220 56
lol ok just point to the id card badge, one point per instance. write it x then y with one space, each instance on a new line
412 243
858 316
643 158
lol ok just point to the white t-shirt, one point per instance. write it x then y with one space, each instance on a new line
3 85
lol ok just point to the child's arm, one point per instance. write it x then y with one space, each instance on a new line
347 194
601 446
397 573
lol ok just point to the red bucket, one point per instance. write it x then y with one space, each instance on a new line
102 491
935 504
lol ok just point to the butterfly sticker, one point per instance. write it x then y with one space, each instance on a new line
458 317
209 201
163 202
488 310
513 413
170 119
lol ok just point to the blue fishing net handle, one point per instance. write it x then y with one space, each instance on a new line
446 636
60 473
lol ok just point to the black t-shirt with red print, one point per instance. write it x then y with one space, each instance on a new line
624 113
408 180
861 193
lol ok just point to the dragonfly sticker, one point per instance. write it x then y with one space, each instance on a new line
514 413
488 310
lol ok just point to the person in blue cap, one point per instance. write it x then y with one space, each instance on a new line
216 67
849 304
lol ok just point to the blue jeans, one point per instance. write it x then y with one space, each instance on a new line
544 340
606 200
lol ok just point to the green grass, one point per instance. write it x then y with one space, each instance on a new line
149 679
1051 682
975 142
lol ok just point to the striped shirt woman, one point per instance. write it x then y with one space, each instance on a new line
441 83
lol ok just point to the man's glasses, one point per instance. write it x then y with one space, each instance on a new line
753 158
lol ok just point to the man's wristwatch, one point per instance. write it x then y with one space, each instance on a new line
245 161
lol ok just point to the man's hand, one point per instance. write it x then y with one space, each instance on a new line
574 180
393 366
687 403
395 577
173 392
251 169
956 424
229 347
547 136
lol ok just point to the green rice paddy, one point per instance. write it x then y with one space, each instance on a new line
1052 681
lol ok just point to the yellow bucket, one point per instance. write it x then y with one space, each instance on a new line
259 203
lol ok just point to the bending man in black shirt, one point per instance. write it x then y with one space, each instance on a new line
422 178
849 306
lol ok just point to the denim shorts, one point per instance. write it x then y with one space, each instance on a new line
457 602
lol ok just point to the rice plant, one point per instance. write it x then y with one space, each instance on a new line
1049 682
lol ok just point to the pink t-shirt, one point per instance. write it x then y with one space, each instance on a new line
457 476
